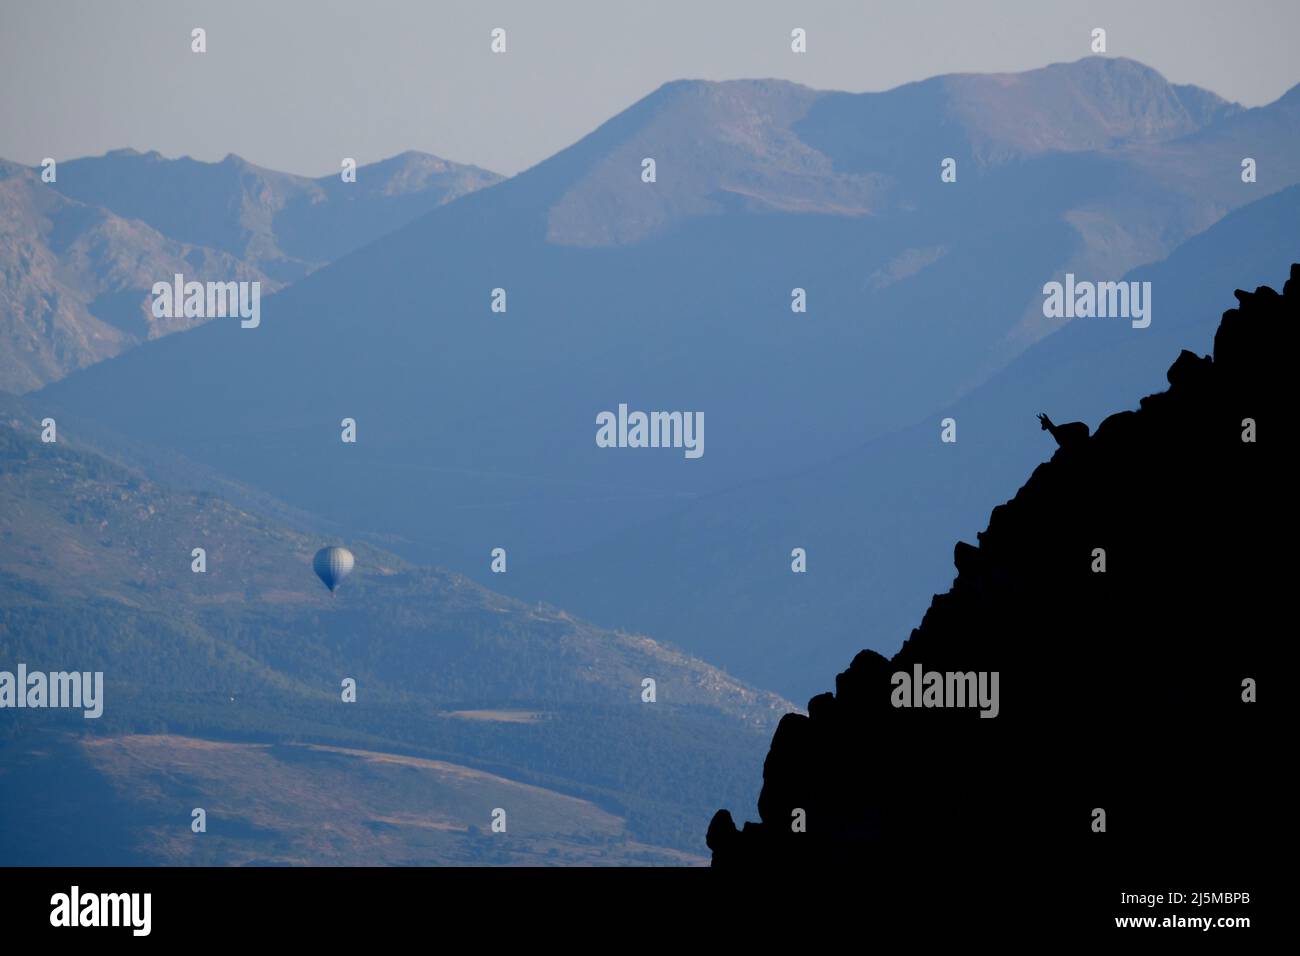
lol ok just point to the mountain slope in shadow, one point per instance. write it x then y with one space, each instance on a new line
1121 690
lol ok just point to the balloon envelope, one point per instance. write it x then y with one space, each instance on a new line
332 565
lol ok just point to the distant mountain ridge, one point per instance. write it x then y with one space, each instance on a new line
80 255
77 277
286 224
776 145
994 118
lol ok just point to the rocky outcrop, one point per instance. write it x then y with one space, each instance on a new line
1128 598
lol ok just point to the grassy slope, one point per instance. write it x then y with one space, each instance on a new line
95 575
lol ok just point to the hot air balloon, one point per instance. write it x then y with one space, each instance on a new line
332 565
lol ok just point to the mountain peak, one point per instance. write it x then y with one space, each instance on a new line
1102 63
128 154
1087 104
770 144
715 145
411 172
1094 66
755 84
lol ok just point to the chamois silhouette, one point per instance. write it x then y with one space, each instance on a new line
1068 434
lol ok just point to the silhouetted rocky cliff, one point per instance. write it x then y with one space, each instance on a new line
1119 689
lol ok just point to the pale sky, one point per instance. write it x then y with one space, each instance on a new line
298 84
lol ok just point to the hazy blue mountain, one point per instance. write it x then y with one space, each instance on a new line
284 224
79 256
76 280
878 523
477 429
